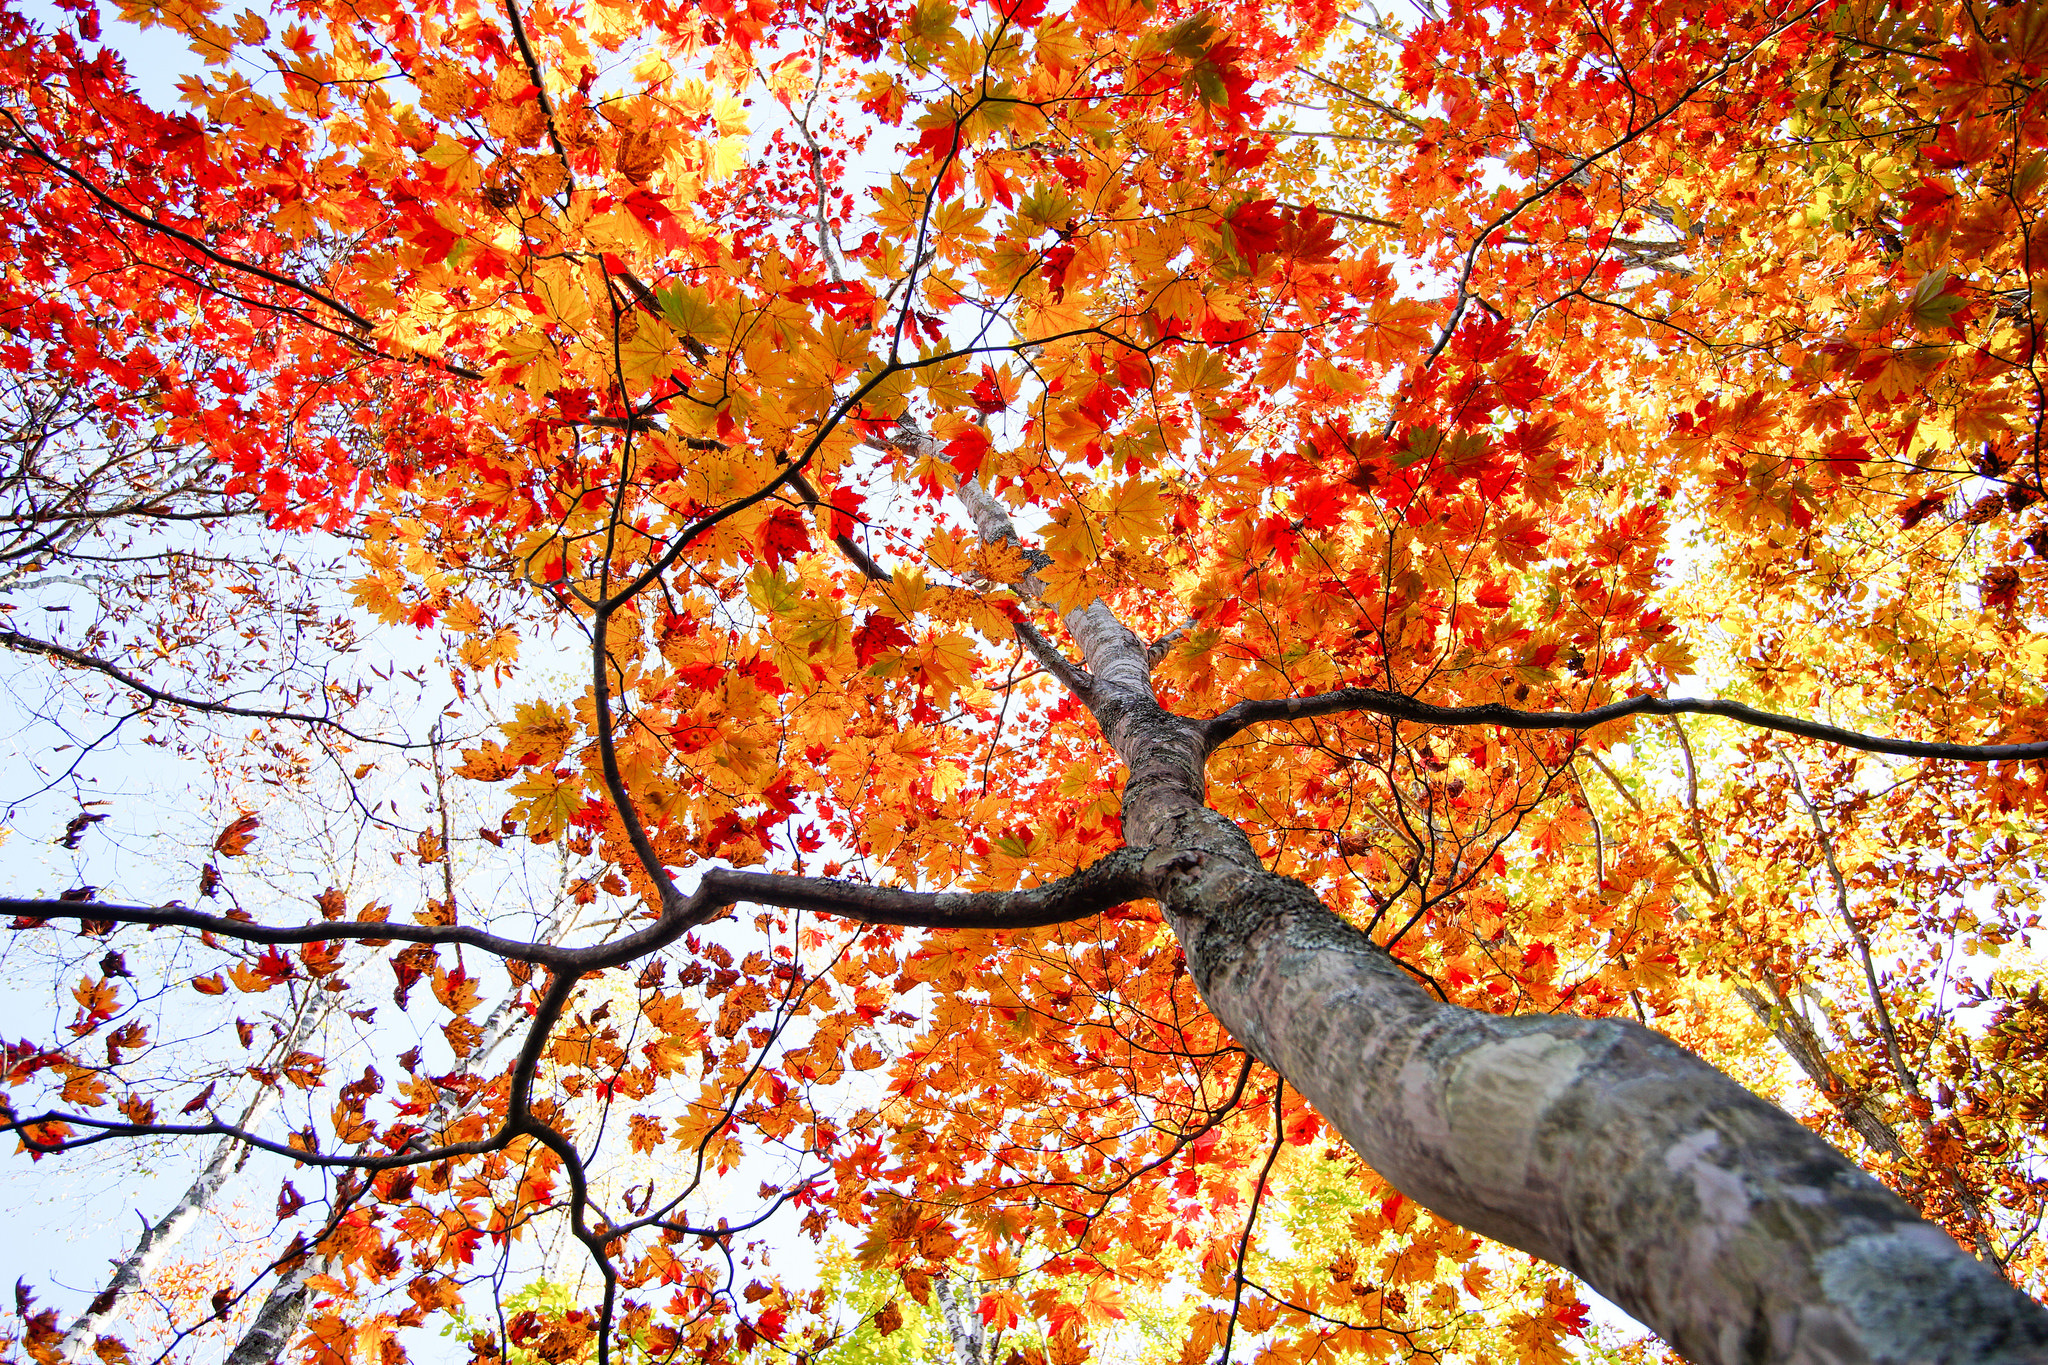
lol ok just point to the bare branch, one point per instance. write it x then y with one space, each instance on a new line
28 644
1156 652
1246 713
1077 679
1112 880
1119 877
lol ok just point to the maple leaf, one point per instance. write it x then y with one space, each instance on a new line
1308 235
842 300
235 839
75 828
995 391
1912 513
784 536
845 514
1254 229
656 216
878 634
1137 513
1318 506
967 449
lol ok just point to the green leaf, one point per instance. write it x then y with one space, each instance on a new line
1423 442
1192 37
1928 307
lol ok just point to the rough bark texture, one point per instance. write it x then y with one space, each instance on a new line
967 1340
282 1312
1728 1228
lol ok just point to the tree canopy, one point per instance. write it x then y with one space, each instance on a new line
1145 667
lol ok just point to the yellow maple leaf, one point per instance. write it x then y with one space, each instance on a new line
1398 330
248 980
548 802
645 1133
488 762
649 354
1137 511
539 731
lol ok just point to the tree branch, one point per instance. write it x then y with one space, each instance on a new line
1076 678
362 325
1393 704
847 546
540 87
1888 1031
28 644
1156 652
1112 880
996 528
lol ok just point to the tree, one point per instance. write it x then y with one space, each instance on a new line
1343 502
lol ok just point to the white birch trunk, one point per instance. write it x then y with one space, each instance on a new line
160 1238
966 1334
284 1307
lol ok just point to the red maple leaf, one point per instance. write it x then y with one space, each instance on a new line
655 216
965 451
843 300
1318 506
846 505
784 536
1493 595
1255 229
878 634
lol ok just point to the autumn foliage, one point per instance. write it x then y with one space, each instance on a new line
527 456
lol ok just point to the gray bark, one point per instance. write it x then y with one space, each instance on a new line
282 1312
1721 1223
966 1334
1797 1038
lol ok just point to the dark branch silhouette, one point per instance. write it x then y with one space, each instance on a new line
1393 704
1119 877
28 644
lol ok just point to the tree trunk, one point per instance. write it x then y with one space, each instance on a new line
282 1312
966 1334
1727 1227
